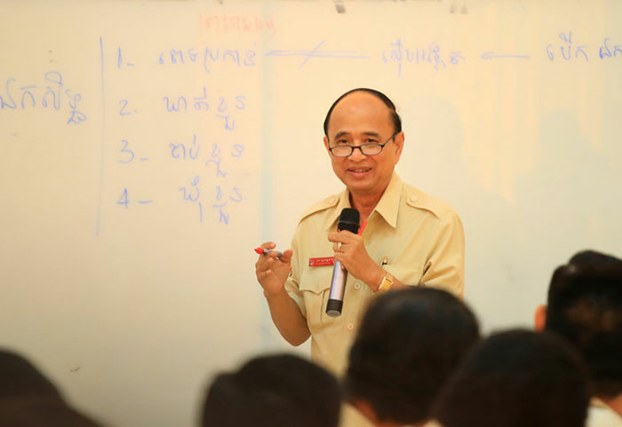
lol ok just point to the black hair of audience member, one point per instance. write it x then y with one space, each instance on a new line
409 342
41 413
585 307
29 399
516 378
20 378
277 390
590 256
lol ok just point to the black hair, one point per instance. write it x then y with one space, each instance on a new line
20 378
516 378
585 307
408 344
29 399
277 390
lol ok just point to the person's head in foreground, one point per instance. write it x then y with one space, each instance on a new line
280 390
584 306
29 399
408 344
516 378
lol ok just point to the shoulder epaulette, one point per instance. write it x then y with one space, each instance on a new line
420 200
327 203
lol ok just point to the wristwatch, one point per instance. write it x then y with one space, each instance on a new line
386 283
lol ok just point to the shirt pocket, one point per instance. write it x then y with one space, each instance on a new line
315 288
410 276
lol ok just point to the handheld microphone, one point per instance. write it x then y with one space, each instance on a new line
348 220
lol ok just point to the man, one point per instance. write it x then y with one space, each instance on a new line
406 236
585 307
409 343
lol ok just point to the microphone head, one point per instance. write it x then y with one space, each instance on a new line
349 220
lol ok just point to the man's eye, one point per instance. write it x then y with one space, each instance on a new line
343 142
371 141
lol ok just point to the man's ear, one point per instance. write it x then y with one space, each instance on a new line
399 142
399 146
539 318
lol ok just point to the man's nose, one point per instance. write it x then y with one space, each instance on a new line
357 153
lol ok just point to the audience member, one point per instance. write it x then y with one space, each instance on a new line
409 342
584 305
516 378
29 399
280 390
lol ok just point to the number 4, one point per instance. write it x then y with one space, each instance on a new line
124 199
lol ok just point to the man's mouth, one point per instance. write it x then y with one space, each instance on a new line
359 170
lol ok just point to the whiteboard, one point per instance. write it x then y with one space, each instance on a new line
149 146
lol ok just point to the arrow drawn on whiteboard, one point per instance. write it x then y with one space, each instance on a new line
493 55
317 53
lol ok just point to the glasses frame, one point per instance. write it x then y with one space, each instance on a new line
360 147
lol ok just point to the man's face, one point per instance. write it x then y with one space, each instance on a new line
361 118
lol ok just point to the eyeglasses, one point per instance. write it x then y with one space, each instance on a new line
370 149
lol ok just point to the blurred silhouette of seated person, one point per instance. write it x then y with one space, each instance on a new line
409 342
516 378
278 390
29 399
584 305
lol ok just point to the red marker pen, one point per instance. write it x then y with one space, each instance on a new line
262 251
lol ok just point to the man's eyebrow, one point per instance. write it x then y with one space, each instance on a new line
376 134
344 133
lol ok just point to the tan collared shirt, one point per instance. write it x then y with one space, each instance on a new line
419 238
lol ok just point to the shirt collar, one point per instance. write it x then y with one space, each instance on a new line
389 203
387 206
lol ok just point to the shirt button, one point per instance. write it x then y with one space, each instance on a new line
357 286
350 326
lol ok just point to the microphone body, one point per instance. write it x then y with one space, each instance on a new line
348 220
